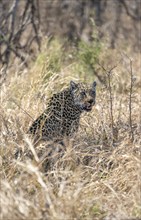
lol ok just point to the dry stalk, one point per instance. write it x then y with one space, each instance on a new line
12 100
109 75
130 101
111 99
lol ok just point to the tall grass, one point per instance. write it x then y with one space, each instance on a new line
94 178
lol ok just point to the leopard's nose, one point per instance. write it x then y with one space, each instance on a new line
90 101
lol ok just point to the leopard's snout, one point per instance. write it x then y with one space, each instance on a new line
90 101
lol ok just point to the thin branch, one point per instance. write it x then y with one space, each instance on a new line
130 101
109 73
13 15
33 9
12 100
133 16
130 71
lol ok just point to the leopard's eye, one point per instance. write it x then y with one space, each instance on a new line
92 93
83 93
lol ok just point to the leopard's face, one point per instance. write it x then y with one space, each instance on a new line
83 95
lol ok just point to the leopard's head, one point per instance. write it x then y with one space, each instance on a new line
84 96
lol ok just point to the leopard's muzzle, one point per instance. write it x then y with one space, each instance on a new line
88 105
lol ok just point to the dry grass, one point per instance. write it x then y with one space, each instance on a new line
97 178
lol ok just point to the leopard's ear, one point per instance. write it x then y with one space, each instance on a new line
94 85
73 85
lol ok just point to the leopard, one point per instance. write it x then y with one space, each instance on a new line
61 117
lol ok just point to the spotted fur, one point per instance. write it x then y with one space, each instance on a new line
61 118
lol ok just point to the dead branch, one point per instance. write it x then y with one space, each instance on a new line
15 25
109 75
130 101
132 13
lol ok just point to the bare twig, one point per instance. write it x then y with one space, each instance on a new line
109 74
12 100
130 101
35 28
132 13
130 97
13 16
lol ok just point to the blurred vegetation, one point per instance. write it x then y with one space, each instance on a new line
88 56
24 25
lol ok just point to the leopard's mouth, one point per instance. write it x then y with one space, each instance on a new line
88 108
